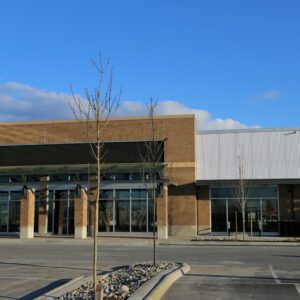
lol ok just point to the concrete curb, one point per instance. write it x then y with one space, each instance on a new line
62 289
153 289
156 287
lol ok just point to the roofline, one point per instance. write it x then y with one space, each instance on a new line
245 130
111 119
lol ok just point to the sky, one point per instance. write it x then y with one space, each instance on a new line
233 63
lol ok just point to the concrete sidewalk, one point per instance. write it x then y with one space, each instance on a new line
172 241
232 241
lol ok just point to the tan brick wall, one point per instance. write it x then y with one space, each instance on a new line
203 209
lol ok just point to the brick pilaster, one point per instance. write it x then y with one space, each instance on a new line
80 215
162 215
27 215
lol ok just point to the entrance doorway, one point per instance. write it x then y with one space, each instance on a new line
61 212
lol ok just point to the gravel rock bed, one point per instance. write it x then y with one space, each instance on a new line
121 284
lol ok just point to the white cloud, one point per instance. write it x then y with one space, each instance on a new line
20 102
203 118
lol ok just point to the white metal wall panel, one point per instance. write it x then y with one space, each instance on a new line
266 154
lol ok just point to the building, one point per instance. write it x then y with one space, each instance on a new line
46 179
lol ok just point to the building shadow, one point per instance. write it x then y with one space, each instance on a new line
44 290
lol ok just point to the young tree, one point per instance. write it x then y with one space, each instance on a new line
94 114
242 190
152 163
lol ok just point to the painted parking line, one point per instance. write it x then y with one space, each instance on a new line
297 286
272 271
28 278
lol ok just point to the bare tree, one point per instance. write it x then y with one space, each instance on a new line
242 190
94 114
152 163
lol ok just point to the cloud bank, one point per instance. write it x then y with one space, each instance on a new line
204 120
20 102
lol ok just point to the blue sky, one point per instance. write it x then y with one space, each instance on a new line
232 63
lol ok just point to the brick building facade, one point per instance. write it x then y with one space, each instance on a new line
46 171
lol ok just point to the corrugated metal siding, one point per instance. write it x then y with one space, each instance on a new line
273 154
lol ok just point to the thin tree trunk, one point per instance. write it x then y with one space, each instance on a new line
244 227
154 227
96 215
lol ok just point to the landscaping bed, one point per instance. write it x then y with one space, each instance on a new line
121 284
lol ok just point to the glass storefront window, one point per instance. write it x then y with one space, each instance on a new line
261 215
122 215
10 211
270 215
138 194
106 215
122 210
3 215
138 215
122 194
106 194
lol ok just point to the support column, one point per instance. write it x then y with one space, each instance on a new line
27 215
80 217
60 220
44 206
162 215
92 193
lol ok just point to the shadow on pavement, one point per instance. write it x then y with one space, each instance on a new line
44 290
293 256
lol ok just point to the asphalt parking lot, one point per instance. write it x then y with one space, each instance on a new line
30 268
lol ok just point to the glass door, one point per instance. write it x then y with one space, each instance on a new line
61 212
138 210
253 216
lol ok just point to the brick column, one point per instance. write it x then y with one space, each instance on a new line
44 206
80 214
162 215
203 210
27 215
